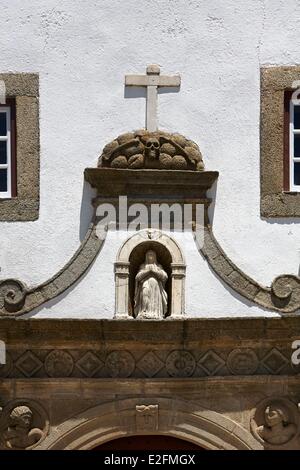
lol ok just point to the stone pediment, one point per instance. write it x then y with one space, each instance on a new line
152 150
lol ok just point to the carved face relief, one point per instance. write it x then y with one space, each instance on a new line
274 416
275 422
152 148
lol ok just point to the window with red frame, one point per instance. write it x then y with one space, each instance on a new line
291 143
7 150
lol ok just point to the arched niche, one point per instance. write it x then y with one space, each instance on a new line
131 256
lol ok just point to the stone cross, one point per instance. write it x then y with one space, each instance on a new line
152 81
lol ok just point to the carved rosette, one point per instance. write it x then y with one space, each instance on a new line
59 364
180 364
23 425
144 149
120 364
242 362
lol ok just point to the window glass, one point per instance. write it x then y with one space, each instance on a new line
297 117
3 180
297 174
3 129
297 145
3 152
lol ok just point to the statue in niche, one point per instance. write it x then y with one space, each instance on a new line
20 433
277 429
150 298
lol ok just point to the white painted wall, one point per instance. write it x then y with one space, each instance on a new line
82 50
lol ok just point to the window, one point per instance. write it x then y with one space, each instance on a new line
19 148
291 144
279 143
7 150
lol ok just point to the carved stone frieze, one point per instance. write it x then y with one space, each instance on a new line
147 363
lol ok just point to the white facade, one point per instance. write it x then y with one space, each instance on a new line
82 50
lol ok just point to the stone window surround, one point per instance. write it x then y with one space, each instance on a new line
24 87
275 202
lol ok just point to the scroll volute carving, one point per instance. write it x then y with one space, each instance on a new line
12 295
155 150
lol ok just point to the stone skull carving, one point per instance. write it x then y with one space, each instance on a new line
152 148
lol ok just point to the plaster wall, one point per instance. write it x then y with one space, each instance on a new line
82 50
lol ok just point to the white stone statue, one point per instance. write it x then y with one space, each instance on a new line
150 298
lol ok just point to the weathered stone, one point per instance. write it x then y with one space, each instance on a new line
24 87
275 202
153 146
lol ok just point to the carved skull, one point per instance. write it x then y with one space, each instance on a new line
152 148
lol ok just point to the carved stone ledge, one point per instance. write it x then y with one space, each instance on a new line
112 182
17 299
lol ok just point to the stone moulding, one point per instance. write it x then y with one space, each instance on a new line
283 295
17 299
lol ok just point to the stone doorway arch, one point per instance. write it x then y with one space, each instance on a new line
176 417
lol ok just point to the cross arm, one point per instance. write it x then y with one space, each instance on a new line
153 80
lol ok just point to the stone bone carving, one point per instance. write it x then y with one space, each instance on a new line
157 150
275 421
151 299
146 418
24 427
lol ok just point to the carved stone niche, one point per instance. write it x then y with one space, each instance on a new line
129 260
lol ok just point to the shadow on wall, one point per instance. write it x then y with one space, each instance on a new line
86 210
